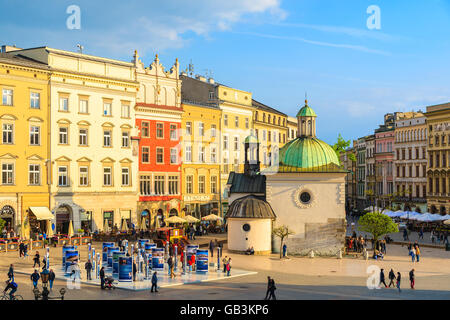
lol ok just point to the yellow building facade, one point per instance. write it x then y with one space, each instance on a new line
24 147
270 126
201 189
93 163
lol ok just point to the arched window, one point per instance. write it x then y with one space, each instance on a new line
256 115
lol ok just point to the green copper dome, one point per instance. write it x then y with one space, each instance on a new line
306 111
308 154
251 139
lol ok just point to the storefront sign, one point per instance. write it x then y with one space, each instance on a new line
197 198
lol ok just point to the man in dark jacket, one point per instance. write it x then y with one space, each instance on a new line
51 278
269 282
102 277
272 290
382 278
391 278
134 271
21 247
88 267
154 282
412 278
11 272
35 278
211 248
36 259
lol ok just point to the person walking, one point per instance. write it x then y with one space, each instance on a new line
51 278
25 251
405 235
229 267
382 278
269 282
412 278
88 268
417 253
134 271
11 272
154 282
220 245
413 254
284 250
211 248
35 278
36 260
21 247
102 278
399 279
391 278
170 263
272 290
421 233
224 262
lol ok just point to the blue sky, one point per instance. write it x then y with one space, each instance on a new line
277 49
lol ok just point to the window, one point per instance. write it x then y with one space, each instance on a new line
201 129
35 100
213 184
225 165
159 184
107 109
213 130
269 135
107 138
211 95
83 107
159 155
247 124
173 132
7 173
83 137
188 156
236 165
7 133
125 111
145 185
189 184
107 176
225 142
201 184
173 156
84 176
213 154
145 154
34 135
125 139
173 184
256 115
63 135
63 180
236 122
188 128
34 174
7 97
145 129
236 143
246 227
63 104
201 154
160 130
125 176
225 120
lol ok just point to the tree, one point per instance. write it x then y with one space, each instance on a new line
340 145
377 224
282 233
2 224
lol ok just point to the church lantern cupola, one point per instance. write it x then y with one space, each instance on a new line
252 164
306 119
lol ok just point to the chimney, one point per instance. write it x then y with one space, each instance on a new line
201 78
211 80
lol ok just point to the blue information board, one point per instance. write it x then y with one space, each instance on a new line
115 263
64 249
105 247
109 253
125 269
158 259
72 258
202 260
142 243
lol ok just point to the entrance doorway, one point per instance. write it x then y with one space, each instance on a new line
173 212
7 213
63 217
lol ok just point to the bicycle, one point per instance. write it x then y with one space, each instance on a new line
5 296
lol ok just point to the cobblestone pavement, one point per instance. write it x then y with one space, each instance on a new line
296 278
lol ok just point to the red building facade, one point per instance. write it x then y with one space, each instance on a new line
158 118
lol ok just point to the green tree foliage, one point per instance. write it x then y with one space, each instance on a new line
377 224
282 233
2 224
341 145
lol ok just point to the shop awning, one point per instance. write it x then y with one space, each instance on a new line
42 213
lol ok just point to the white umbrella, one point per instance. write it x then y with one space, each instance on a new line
409 214
106 226
191 219
124 226
396 214
49 229
447 222
175 219
211 217
426 217
70 232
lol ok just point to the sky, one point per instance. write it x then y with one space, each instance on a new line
277 49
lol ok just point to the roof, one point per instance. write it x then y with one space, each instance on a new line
251 139
250 207
157 106
242 183
22 61
306 154
262 106
306 111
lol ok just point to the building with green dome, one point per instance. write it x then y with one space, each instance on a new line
305 187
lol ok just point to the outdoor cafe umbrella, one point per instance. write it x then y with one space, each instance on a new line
175 219
143 223
49 229
396 214
157 224
124 226
426 217
70 232
106 226
211 217
191 219
447 222
409 215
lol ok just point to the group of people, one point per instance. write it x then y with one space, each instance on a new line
355 243
438 237
215 244
397 278
414 251
226 265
